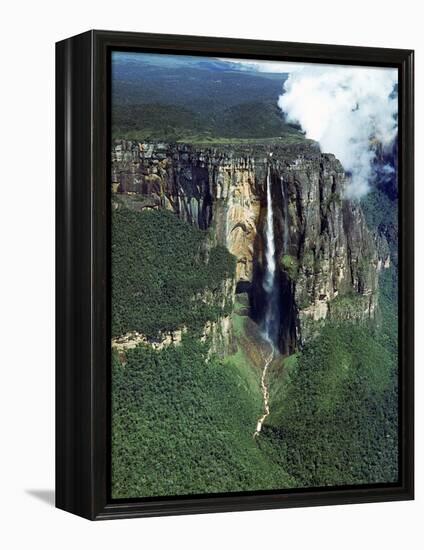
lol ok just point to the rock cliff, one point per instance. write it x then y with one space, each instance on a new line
328 260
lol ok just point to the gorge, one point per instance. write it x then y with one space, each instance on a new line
303 252
245 278
254 275
323 254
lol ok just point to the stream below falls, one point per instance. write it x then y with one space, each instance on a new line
265 393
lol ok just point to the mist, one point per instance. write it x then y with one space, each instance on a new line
348 111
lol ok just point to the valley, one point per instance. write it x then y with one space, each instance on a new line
254 275
247 299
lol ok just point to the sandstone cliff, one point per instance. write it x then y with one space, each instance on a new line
328 260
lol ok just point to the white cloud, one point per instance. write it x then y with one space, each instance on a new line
344 108
341 107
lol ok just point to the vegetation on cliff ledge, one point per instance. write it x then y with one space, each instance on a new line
290 265
162 273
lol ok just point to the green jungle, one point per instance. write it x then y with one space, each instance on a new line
186 392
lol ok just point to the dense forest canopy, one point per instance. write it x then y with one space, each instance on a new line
193 101
160 268
184 415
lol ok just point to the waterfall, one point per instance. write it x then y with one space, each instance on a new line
270 323
269 239
285 215
271 319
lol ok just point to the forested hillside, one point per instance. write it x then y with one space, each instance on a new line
254 296
182 423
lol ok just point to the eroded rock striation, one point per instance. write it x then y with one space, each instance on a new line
328 260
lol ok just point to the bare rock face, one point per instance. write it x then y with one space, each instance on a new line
237 209
131 340
328 260
331 257
205 188
218 334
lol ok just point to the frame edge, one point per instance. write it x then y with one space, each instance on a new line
80 384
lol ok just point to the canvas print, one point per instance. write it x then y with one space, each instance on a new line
254 275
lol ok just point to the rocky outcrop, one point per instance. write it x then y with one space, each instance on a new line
327 257
216 333
219 334
132 339
218 188
329 251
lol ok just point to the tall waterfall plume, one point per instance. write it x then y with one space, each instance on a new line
285 216
270 322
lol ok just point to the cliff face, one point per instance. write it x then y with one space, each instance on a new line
328 260
211 188
330 257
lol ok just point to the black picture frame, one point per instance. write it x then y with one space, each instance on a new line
83 271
